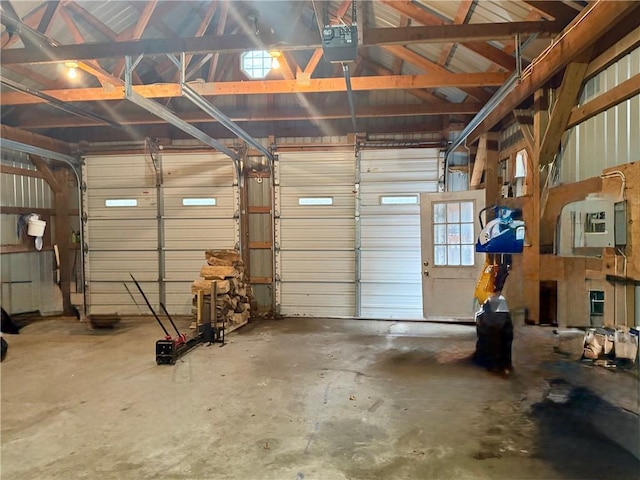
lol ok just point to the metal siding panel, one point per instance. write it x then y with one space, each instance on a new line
391 284
316 260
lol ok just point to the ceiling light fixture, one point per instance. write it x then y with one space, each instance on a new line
72 73
275 62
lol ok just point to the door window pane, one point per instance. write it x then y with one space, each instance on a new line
467 254
466 233
453 233
439 212
439 234
466 212
453 212
453 254
440 255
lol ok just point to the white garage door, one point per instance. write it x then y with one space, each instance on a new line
157 233
390 187
199 206
315 234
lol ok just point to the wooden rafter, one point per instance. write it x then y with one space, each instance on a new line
46 173
618 94
32 19
272 113
138 30
335 84
222 22
566 99
425 18
398 62
601 17
45 21
91 66
90 20
461 16
554 9
525 123
202 28
431 67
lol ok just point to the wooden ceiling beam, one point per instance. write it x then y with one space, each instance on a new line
47 16
554 9
398 62
222 23
31 19
138 30
464 7
30 138
239 43
89 19
596 21
566 99
618 94
40 121
428 19
430 67
391 82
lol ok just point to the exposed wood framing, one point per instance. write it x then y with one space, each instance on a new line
627 89
464 7
20 171
597 20
29 138
555 9
31 19
138 30
398 62
525 122
614 53
45 21
62 229
221 25
566 98
392 82
47 174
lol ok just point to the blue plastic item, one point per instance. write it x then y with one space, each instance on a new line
503 234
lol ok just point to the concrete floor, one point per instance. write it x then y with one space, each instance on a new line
286 399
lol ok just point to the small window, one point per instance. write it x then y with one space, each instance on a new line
315 201
256 63
595 222
121 202
400 200
596 303
198 202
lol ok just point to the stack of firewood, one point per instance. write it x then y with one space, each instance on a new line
233 292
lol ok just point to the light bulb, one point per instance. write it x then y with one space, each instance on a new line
275 63
72 73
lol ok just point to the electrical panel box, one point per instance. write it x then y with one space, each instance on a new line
340 43
586 227
620 223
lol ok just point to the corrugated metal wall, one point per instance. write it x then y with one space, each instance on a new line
315 244
390 273
28 279
610 138
160 240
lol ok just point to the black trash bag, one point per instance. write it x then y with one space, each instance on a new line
494 330
8 326
5 347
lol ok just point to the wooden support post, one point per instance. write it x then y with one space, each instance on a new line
62 234
491 185
531 212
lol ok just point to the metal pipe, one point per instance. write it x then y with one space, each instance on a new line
493 102
211 110
347 79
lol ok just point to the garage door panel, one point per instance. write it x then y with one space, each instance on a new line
183 265
400 265
305 266
200 234
179 298
120 171
113 298
145 198
116 266
319 299
224 202
390 258
211 169
316 243
122 234
317 234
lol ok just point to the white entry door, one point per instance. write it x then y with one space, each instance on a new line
450 267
